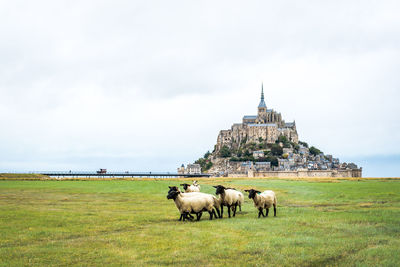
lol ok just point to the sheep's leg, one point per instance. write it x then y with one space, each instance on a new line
266 212
260 212
240 207
229 211
274 210
187 216
211 215
198 215
180 218
219 214
215 214
222 211
234 209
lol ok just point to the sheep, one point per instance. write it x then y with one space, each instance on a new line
196 194
263 200
241 198
229 197
175 188
195 204
191 188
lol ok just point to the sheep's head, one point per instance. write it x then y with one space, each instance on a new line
173 188
252 192
185 186
220 189
173 194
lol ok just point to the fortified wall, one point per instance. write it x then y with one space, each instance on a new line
301 174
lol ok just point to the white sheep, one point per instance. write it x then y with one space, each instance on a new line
264 200
194 204
191 188
229 197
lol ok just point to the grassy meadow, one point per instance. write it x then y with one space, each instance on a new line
131 222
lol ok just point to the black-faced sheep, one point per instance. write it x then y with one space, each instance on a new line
264 200
229 197
196 194
195 204
191 188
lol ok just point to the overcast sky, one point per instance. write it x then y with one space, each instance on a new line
147 85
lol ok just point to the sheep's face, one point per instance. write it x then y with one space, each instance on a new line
220 189
173 194
185 186
173 188
252 193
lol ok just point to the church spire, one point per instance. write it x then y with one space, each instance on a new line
262 102
262 92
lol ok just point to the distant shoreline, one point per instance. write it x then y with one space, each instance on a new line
39 177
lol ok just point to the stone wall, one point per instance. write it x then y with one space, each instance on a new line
305 174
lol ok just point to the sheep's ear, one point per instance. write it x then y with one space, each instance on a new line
170 187
215 186
258 192
246 190
181 184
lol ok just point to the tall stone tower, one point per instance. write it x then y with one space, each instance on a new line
262 107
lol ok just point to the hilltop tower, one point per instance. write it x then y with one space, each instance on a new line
262 107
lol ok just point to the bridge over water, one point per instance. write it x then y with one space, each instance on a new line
119 174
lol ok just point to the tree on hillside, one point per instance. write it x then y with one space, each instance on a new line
315 151
282 139
225 152
273 160
208 166
296 147
247 153
276 150
252 146
207 154
303 144
205 164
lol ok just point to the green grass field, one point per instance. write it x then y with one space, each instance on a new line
92 223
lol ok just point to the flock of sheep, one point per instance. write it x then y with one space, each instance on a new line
192 201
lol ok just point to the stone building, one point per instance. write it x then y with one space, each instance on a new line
181 169
190 169
258 154
193 168
267 125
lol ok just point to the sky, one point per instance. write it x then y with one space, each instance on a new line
147 85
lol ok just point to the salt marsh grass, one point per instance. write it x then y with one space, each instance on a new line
131 222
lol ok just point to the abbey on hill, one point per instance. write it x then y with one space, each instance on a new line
264 145
267 125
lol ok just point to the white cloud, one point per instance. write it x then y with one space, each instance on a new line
152 83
